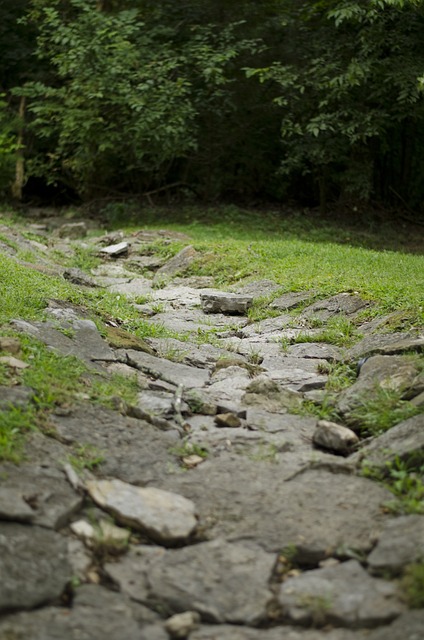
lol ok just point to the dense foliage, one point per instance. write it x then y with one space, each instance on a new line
317 100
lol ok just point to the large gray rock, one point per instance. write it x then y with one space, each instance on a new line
265 393
291 300
316 350
34 566
163 516
297 374
409 626
81 340
401 543
37 493
13 506
96 614
401 441
228 632
319 512
204 355
173 372
394 373
344 595
136 288
230 303
385 344
223 582
132 450
345 303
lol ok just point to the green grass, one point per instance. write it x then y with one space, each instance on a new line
298 251
56 381
381 411
338 330
412 585
405 479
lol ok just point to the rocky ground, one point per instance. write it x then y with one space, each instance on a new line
216 509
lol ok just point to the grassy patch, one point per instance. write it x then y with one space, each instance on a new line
413 585
15 423
381 411
85 456
338 330
56 381
405 479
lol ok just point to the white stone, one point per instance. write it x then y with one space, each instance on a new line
164 516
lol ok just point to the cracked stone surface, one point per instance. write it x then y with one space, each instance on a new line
215 471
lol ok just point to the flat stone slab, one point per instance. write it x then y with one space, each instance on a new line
291 300
173 372
297 374
385 344
345 303
318 512
401 543
96 614
409 626
34 566
400 442
316 350
344 595
13 506
85 341
204 355
135 288
227 303
228 632
132 450
50 500
165 517
223 582
189 320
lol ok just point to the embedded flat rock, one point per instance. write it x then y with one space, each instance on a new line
96 614
228 632
164 516
50 500
319 512
132 450
34 566
401 543
291 300
345 303
344 595
84 341
386 344
223 582
400 441
173 372
409 626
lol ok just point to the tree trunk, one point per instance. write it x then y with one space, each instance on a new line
18 184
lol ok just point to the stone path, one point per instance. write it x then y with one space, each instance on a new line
218 512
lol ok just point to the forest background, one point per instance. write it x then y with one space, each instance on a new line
313 101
